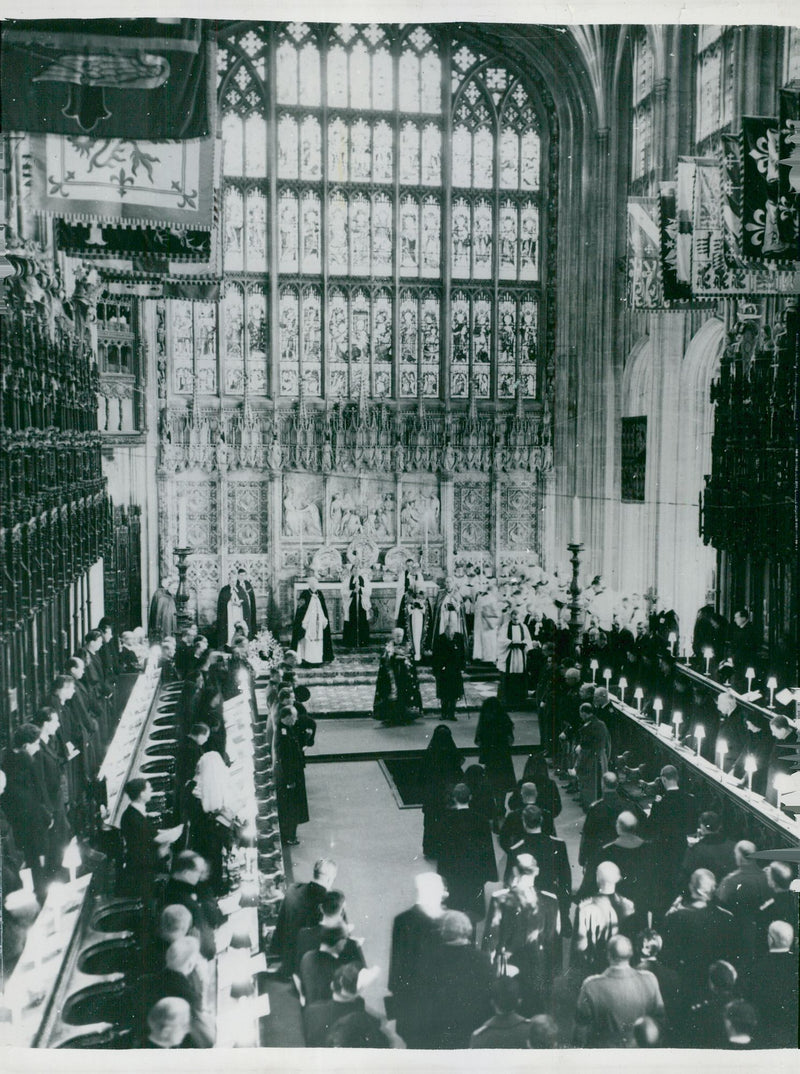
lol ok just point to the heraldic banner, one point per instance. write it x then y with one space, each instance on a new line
113 78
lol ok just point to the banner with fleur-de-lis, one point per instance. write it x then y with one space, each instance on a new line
760 234
115 180
789 169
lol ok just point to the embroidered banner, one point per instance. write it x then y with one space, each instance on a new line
644 255
674 289
110 180
760 236
106 241
194 290
789 169
732 191
113 78
715 267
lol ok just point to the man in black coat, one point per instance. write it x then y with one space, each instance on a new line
672 818
550 854
316 968
512 828
711 851
25 803
414 931
447 663
247 593
51 761
635 860
145 848
300 909
710 631
344 1003
774 988
188 886
466 855
697 932
455 984
600 825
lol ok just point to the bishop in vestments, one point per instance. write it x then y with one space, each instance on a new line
311 630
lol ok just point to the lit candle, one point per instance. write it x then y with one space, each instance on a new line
707 654
750 767
623 683
72 859
677 720
699 734
749 675
576 520
722 749
672 641
181 520
772 686
593 664
638 694
658 705
607 677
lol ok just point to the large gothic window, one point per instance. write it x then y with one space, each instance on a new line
381 217
713 85
642 147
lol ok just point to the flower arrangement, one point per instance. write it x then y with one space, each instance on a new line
264 651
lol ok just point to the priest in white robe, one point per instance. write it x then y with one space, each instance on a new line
311 631
487 617
513 645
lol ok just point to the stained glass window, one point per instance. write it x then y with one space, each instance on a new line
359 205
714 88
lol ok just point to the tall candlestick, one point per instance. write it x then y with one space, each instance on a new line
576 520
722 749
699 734
749 675
182 542
673 639
707 654
593 664
658 705
607 677
638 694
623 682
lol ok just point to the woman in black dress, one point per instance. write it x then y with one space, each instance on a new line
494 736
290 779
536 771
441 770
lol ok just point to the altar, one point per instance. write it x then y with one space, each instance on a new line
382 617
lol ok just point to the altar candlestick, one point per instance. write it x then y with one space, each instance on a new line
699 734
638 694
707 654
623 683
593 664
750 767
182 542
302 558
677 720
658 705
607 677
722 749
749 675
772 686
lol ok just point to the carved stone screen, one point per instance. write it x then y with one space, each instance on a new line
634 459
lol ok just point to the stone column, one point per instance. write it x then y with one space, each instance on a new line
274 610
446 519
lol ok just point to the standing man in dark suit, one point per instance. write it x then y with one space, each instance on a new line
414 932
301 909
600 825
672 818
50 761
448 663
25 803
466 854
711 851
145 847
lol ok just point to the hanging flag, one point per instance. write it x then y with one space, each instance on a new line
760 235
116 180
789 169
111 78
645 289
674 289
685 208
104 241
732 192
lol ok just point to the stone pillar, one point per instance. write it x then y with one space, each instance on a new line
274 613
446 519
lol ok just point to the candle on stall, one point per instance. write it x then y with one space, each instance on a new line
672 639
772 686
576 521
623 685
677 720
607 677
638 694
750 766
749 675
699 734
593 664
658 705
722 749
707 654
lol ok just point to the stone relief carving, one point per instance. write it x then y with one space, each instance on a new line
302 499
